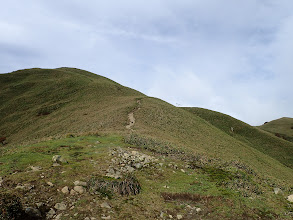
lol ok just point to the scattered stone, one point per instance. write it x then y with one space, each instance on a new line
35 169
290 198
1 180
79 189
198 209
50 184
98 142
58 216
59 159
56 165
111 172
137 165
50 214
87 218
170 216
162 215
79 183
277 190
24 187
183 171
65 190
129 169
161 164
106 217
75 214
105 205
72 192
179 216
60 206
93 218
33 213
167 187
40 204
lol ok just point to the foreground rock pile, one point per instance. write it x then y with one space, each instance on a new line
125 162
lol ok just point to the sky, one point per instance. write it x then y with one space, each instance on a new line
231 56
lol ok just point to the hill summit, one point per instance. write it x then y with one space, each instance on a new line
126 150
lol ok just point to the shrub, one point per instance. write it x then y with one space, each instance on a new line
10 207
106 187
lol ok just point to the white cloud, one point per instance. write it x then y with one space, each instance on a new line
233 56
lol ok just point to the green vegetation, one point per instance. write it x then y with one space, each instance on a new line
170 186
229 168
254 137
282 128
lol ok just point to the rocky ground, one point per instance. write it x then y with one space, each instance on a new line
103 178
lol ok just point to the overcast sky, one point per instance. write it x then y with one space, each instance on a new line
232 56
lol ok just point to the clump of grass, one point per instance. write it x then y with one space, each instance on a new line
46 110
187 197
152 145
106 187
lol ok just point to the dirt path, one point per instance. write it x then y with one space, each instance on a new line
131 118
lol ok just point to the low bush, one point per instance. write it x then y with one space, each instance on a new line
107 187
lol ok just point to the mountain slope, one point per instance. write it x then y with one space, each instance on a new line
37 103
282 127
40 103
81 146
269 144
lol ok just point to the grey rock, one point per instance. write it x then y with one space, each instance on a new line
59 159
40 204
58 217
137 165
290 198
65 190
56 165
35 169
198 209
106 217
277 190
129 169
51 213
79 183
50 184
60 206
105 205
179 217
79 189
73 192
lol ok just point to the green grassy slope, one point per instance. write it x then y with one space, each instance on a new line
40 103
37 103
282 127
262 141
163 121
169 185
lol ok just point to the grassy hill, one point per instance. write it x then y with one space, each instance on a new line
39 103
254 137
282 128
65 111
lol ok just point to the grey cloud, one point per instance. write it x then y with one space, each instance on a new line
232 56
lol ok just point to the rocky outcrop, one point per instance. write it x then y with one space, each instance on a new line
124 162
